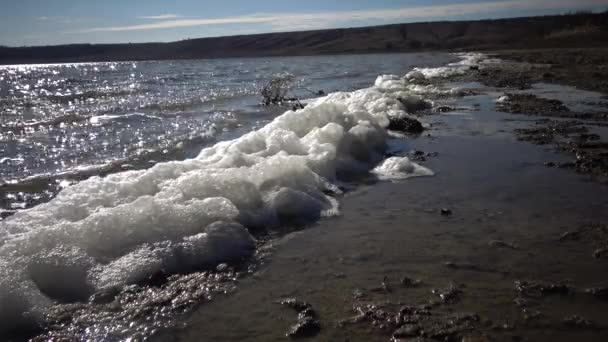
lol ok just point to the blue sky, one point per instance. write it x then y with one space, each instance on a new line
50 22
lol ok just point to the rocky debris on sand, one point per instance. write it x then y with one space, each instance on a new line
405 125
307 324
594 233
590 154
222 267
600 253
409 282
531 105
384 287
136 311
570 236
578 322
599 292
470 267
415 323
413 104
502 244
407 330
530 314
446 212
537 289
449 295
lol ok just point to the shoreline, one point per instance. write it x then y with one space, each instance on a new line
496 245
518 254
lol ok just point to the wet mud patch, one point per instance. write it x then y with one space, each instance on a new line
593 234
434 320
136 312
573 138
531 105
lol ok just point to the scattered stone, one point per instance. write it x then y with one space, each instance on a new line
385 287
105 296
409 282
443 109
502 244
578 321
599 292
407 330
530 104
575 235
358 294
295 304
446 212
405 124
600 253
531 314
222 267
449 295
468 267
306 327
537 289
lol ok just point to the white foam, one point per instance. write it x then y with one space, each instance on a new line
123 228
467 61
396 168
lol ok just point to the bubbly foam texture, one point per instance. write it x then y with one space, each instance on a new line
453 69
400 168
185 215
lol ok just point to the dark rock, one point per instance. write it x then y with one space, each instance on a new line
550 164
418 153
570 236
443 109
409 282
536 289
578 321
449 295
305 327
405 124
600 292
105 296
501 244
600 253
295 304
446 212
407 330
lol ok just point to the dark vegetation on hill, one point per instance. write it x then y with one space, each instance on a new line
570 30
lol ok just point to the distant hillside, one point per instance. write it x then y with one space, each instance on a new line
572 30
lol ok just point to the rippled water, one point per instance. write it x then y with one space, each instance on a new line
103 235
58 117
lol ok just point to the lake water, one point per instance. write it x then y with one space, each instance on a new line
114 173
79 115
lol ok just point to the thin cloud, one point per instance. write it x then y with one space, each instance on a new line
287 21
161 17
56 20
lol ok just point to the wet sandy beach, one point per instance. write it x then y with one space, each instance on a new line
495 247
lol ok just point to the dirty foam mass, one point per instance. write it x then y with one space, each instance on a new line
185 215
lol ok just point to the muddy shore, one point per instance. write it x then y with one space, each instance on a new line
508 241
504 243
